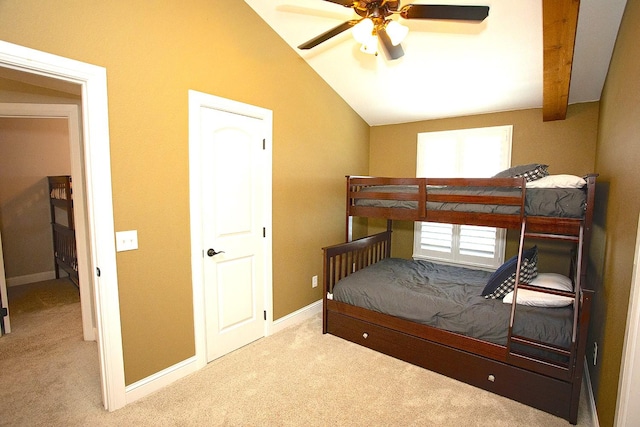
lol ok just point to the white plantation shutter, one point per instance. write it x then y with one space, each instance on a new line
436 237
468 153
477 241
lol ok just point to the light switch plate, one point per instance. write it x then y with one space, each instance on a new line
126 240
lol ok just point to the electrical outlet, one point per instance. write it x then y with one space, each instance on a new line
314 281
595 353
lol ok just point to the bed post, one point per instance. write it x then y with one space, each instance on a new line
326 267
348 231
578 369
588 219
388 246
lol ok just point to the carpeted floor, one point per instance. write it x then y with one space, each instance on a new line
45 366
297 377
41 295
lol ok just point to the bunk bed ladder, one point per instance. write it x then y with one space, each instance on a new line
570 352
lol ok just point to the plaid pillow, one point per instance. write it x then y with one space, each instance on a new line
530 172
540 171
503 280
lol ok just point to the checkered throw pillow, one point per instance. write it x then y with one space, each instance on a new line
530 172
540 171
503 280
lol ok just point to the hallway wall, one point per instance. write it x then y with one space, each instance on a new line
30 150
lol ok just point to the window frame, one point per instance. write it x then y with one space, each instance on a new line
462 137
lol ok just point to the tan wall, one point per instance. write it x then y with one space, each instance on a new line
153 54
30 149
12 90
567 146
618 160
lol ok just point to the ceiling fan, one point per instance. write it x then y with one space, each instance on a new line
374 24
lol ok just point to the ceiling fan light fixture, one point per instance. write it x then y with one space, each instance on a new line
363 31
370 46
397 32
374 27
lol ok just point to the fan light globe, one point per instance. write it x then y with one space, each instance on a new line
397 32
370 46
363 31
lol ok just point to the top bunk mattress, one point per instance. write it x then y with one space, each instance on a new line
545 202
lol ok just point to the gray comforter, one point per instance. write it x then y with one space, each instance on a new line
448 297
551 202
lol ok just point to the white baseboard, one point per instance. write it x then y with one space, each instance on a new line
159 380
593 413
31 278
296 317
180 370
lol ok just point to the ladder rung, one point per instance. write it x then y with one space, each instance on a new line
565 237
538 359
540 345
542 290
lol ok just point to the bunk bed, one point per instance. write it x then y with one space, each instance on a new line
515 354
62 224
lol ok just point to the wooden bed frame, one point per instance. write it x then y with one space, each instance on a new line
65 256
553 387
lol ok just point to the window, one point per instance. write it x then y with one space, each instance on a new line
467 153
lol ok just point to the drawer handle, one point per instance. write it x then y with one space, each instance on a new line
492 378
365 335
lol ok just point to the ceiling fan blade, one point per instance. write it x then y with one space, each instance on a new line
392 52
462 13
328 34
345 3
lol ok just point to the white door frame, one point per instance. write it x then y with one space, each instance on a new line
3 292
70 113
95 126
628 385
198 100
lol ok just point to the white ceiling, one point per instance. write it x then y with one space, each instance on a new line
449 68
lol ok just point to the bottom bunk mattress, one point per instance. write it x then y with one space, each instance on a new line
449 297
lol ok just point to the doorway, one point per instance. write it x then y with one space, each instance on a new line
92 84
70 115
230 204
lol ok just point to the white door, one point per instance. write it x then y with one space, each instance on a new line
3 293
233 165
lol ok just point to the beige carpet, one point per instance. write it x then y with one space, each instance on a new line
297 377
46 369
41 295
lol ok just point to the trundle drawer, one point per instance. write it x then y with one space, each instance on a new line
546 393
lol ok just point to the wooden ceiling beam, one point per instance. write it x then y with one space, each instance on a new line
559 23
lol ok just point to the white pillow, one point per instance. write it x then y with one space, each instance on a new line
558 181
539 299
553 281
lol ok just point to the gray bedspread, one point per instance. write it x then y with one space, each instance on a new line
550 202
449 298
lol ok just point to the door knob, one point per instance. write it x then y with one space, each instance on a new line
212 252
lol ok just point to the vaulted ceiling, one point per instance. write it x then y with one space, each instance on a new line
521 56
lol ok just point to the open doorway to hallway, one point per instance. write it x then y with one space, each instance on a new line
90 80
31 149
38 141
40 294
